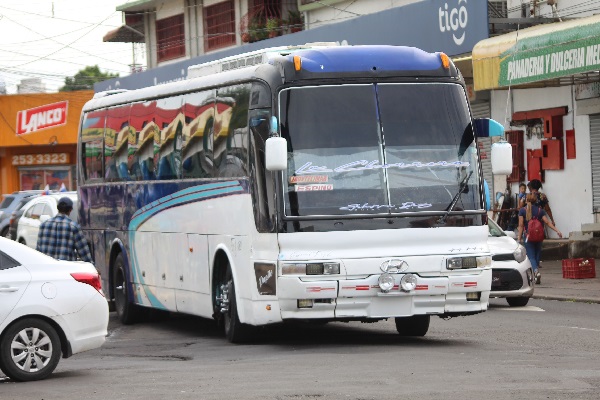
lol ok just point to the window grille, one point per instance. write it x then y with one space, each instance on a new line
170 38
219 25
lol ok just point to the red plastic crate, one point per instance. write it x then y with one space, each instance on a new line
579 268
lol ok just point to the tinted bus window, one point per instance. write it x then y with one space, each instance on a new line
115 144
170 119
143 141
148 146
199 110
230 142
92 137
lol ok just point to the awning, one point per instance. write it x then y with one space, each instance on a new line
538 53
124 34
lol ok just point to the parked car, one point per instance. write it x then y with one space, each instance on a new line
13 202
39 210
48 308
512 275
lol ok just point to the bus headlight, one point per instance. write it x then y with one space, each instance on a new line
386 282
328 268
468 262
408 282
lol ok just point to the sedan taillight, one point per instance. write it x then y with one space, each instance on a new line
90 278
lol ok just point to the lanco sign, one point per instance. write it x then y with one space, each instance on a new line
43 117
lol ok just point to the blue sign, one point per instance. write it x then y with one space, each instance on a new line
451 26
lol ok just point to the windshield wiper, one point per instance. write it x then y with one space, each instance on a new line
461 189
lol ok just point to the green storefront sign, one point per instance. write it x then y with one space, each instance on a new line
553 55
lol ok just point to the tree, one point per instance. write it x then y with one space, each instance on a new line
85 79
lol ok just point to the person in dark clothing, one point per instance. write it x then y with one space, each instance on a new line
542 200
533 249
61 238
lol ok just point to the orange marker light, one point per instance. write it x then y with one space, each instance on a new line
268 307
445 60
297 63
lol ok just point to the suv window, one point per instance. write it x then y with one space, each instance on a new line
6 202
47 210
37 210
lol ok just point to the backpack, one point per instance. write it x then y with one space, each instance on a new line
535 229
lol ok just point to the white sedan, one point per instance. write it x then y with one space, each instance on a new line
512 275
48 309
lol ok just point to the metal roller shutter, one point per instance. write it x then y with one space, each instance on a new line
595 150
482 110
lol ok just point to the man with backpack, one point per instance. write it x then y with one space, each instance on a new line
531 231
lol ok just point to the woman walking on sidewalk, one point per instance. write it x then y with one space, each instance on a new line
533 235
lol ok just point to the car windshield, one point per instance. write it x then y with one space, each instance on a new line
495 230
378 149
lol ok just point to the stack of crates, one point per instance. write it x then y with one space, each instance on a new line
579 268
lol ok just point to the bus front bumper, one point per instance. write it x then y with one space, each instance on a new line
300 298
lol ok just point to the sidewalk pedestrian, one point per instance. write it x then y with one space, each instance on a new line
533 247
542 200
522 195
61 238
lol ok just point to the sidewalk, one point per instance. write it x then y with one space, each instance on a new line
554 287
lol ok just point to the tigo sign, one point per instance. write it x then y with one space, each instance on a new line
36 119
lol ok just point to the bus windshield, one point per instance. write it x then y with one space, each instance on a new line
378 149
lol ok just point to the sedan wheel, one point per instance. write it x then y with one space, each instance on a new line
30 350
517 301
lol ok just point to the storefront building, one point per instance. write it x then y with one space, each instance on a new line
38 140
543 84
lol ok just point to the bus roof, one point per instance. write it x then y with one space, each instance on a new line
323 61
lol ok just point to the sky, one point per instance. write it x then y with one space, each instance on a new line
54 39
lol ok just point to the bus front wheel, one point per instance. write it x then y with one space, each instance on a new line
417 325
235 331
127 312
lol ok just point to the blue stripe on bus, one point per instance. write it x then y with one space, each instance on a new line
195 193
176 200
193 189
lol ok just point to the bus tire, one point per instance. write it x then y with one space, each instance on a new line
127 311
235 331
417 325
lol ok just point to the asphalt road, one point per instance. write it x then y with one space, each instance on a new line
547 350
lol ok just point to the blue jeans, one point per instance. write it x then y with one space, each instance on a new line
534 253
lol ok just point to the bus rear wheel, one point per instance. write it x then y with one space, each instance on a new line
417 325
127 312
235 331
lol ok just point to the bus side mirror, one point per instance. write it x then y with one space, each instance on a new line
276 154
502 163
487 127
275 148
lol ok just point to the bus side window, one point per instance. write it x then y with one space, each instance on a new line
196 156
172 121
115 143
92 159
92 134
231 141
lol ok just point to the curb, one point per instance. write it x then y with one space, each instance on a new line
566 298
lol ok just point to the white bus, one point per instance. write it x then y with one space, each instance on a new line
333 183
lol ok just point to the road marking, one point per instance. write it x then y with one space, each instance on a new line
582 329
524 308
